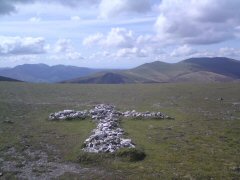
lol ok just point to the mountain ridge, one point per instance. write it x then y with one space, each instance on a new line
42 73
202 69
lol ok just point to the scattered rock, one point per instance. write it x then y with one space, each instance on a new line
68 115
36 164
8 121
154 115
220 99
236 169
236 103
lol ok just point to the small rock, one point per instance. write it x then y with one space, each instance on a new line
236 169
8 121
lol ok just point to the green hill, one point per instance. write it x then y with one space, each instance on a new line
217 69
219 65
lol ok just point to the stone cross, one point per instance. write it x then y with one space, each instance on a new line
107 137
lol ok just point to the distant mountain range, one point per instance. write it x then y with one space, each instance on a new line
217 69
8 79
44 73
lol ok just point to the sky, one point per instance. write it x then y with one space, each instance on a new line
116 33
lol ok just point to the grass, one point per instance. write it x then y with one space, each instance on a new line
131 154
203 141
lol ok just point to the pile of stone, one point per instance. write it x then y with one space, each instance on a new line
107 137
100 111
153 115
68 115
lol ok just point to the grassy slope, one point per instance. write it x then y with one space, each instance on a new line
219 65
202 142
191 70
160 71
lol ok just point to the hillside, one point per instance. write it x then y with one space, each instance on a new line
7 79
111 77
219 65
45 73
215 69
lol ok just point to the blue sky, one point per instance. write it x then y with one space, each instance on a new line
116 33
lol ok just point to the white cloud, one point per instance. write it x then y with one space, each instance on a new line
35 19
72 3
9 6
198 22
66 57
184 50
11 61
171 31
124 43
111 8
74 55
131 52
229 52
117 38
93 39
106 53
106 8
62 46
143 39
98 54
22 45
64 49
25 47
75 18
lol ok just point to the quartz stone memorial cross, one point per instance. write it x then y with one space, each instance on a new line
107 137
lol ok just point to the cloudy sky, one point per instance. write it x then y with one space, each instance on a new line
116 33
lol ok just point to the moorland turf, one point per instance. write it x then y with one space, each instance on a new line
203 141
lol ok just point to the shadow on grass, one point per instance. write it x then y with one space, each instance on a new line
123 154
